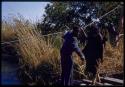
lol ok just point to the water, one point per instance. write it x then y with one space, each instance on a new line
10 79
9 74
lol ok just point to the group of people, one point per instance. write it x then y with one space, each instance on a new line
92 54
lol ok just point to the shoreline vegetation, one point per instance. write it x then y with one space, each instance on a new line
41 55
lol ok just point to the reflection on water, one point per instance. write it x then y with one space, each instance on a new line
10 78
9 75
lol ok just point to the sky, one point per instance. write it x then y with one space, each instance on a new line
29 10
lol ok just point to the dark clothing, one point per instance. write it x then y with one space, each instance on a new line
113 34
111 29
69 46
67 67
93 51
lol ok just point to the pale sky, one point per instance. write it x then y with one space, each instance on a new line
29 10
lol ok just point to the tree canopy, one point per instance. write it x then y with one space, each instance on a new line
59 14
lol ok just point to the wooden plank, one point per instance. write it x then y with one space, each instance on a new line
107 84
89 82
82 84
112 80
78 82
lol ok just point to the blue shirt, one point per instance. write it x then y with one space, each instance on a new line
70 45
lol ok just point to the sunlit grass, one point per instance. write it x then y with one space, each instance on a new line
42 55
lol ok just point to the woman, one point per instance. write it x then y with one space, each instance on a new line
93 52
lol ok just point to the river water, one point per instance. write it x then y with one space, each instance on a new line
9 74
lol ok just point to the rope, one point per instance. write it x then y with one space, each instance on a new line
67 26
61 32
104 15
27 38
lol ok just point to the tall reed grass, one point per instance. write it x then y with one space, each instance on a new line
42 56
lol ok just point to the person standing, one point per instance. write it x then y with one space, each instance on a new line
93 52
69 46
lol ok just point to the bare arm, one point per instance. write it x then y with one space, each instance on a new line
77 49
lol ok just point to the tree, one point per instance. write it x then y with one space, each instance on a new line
59 14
